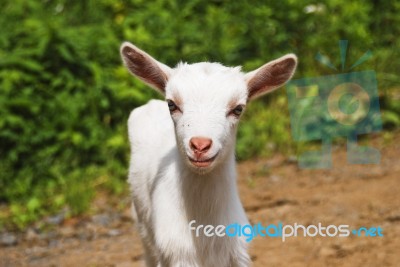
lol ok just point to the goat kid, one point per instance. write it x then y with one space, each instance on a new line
182 165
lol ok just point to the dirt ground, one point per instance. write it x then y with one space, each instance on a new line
272 190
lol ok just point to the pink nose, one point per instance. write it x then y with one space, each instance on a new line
200 145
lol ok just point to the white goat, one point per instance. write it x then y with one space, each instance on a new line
182 164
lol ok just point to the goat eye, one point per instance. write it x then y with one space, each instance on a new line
172 106
237 110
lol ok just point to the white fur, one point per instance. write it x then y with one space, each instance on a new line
168 191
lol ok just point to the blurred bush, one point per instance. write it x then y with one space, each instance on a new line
65 97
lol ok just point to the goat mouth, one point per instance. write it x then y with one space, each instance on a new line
202 163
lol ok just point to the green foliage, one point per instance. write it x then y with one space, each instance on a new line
265 128
65 96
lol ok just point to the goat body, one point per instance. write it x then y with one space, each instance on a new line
182 166
167 196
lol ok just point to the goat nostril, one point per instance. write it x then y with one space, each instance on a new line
192 146
200 144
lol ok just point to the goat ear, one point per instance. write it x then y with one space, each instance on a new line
146 68
270 76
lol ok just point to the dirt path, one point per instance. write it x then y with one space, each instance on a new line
272 190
